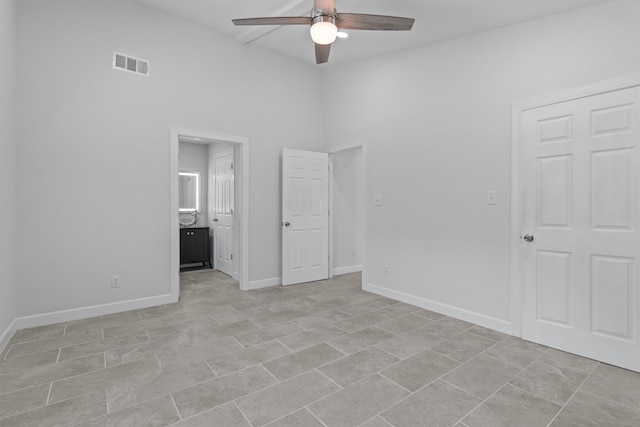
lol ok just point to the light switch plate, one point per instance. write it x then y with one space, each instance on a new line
491 198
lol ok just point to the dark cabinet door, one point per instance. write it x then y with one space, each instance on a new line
198 244
184 246
194 245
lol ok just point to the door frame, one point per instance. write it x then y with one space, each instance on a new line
517 108
241 205
362 144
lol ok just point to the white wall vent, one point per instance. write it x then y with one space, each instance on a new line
130 64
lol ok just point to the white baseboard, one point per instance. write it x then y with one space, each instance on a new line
448 310
346 270
91 311
264 283
7 335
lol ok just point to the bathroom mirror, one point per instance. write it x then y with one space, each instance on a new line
189 191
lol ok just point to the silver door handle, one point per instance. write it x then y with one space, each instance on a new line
528 237
286 224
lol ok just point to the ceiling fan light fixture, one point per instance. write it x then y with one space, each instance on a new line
323 30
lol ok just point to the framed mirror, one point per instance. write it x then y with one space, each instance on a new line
189 192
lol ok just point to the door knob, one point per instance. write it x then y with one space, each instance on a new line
215 220
286 224
528 237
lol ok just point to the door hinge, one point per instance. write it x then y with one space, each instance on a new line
231 166
231 211
231 257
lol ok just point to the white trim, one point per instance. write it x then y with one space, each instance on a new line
624 82
331 204
346 270
347 146
7 335
448 310
264 283
618 83
91 311
241 206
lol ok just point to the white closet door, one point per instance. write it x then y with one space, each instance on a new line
305 216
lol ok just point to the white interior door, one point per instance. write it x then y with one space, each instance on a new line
580 206
305 216
223 212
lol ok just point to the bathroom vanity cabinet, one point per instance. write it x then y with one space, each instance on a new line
194 246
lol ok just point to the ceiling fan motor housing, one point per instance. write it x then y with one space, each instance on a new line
323 29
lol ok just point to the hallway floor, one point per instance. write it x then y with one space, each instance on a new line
317 354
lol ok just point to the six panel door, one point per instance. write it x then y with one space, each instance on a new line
224 205
580 203
305 216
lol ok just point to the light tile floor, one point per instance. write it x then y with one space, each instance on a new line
317 354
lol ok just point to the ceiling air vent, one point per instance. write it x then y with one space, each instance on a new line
131 64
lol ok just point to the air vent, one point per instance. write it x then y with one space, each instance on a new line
131 64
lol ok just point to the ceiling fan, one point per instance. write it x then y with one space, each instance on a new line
325 22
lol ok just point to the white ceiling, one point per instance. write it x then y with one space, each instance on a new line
435 20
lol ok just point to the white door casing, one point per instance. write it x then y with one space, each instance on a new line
305 216
223 212
580 202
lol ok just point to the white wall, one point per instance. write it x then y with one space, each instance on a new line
95 143
195 158
347 207
8 175
438 120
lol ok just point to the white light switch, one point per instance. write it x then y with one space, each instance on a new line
491 198
377 200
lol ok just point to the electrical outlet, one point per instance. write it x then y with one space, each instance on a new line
386 270
377 200
115 281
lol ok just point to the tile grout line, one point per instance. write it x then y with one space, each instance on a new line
372 418
49 394
322 373
495 392
610 401
401 386
242 413
574 393
460 388
175 406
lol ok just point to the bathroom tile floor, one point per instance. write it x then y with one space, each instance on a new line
317 354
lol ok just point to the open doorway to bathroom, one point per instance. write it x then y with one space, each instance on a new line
220 164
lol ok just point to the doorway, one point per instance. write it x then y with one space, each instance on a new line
578 218
347 207
346 182
240 147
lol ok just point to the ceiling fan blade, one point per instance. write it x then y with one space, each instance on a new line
360 21
274 20
322 53
325 6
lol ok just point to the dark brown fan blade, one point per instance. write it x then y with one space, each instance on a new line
274 20
360 21
324 6
322 53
